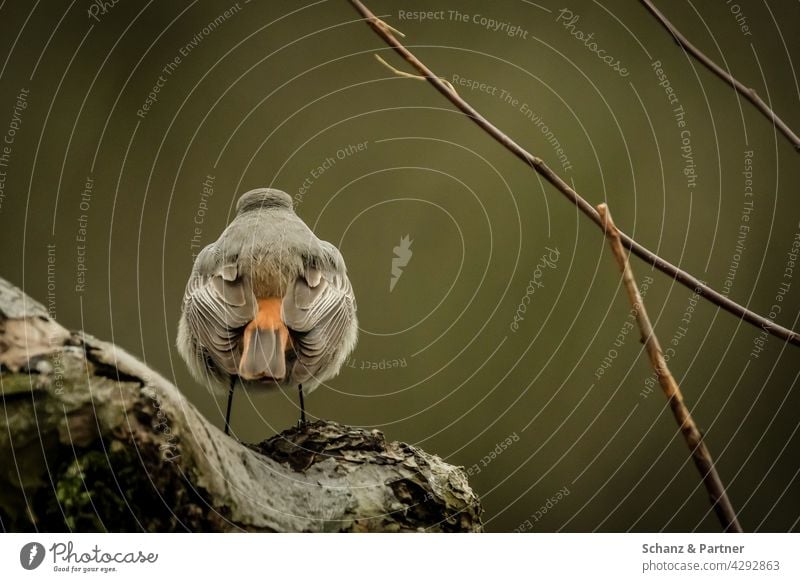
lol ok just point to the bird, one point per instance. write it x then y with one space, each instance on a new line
268 305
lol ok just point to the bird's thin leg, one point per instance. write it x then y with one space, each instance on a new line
302 406
230 405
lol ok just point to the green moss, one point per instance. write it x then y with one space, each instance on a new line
104 491
73 497
14 384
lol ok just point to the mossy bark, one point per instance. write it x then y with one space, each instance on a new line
93 440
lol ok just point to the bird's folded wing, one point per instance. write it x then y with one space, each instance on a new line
216 308
320 310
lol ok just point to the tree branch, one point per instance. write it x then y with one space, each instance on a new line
691 434
748 93
538 165
91 439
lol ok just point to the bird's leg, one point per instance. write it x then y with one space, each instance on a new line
302 422
230 405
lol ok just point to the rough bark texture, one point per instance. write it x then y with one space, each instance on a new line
93 440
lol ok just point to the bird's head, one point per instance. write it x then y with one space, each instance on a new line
263 199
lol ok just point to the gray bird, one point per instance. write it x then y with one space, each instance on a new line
268 304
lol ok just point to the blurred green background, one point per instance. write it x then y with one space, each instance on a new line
267 93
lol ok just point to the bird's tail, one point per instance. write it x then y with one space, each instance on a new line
266 340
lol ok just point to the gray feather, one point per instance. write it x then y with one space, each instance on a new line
264 356
267 251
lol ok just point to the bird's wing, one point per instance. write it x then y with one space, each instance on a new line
320 310
216 308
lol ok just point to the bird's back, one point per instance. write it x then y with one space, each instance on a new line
271 246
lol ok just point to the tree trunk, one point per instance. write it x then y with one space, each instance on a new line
91 439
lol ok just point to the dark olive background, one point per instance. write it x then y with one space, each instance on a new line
281 86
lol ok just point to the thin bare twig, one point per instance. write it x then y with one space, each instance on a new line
694 438
748 93
538 165
405 75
